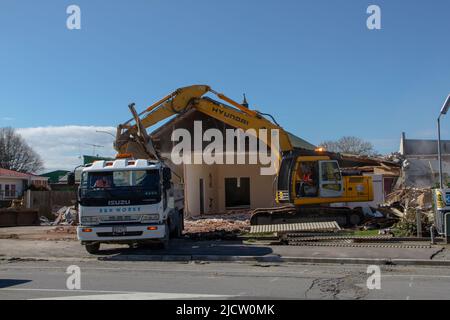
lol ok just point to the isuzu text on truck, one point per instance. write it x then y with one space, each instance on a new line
131 201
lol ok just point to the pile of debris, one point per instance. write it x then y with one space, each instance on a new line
408 203
377 219
65 216
222 226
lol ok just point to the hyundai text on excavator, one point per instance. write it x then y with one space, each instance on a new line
308 181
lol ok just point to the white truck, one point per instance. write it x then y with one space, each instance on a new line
131 201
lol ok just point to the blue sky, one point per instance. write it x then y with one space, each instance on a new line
314 65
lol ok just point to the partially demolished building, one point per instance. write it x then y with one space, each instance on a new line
420 162
218 188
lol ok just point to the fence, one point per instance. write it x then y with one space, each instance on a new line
45 201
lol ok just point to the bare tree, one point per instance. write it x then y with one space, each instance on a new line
351 145
16 154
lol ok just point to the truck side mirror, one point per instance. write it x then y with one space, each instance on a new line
71 178
167 177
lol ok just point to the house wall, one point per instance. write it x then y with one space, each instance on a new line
262 188
19 183
421 167
192 175
423 172
39 181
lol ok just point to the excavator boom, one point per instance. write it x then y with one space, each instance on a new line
132 139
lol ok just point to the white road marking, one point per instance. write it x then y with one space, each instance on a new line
63 290
411 282
139 296
119 295
416 276
274 279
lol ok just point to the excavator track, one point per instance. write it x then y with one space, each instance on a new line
405 245
381 241
291 214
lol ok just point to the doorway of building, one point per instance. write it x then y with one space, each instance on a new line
202 196
237 193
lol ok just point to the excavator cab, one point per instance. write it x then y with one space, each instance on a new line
317 180
309 177
330 176
308 185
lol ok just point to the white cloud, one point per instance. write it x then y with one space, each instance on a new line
62 147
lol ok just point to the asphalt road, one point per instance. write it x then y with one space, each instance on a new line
172 280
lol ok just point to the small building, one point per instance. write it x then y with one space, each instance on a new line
55 176
13 183
420 162
58 178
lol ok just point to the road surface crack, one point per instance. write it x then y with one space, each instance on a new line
337 288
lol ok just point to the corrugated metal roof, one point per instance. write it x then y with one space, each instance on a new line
294 227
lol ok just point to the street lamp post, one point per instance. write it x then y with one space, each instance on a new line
444 110
101 131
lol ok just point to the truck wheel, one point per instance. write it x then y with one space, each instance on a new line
165 240
93 248
178 230
165 243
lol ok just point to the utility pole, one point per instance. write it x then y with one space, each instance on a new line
444 110
94 146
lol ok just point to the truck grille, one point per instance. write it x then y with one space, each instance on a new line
111 219
126 234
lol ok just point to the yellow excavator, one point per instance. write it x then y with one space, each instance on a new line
308 181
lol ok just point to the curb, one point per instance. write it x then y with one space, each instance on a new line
278 259
219 258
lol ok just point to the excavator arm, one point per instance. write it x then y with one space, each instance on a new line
133 138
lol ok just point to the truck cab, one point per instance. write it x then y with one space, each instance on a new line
130 201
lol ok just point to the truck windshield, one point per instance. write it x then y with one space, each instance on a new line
116 179
138 186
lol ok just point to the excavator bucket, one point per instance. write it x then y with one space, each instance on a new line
135 140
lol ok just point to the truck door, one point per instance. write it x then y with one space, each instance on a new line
330 179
